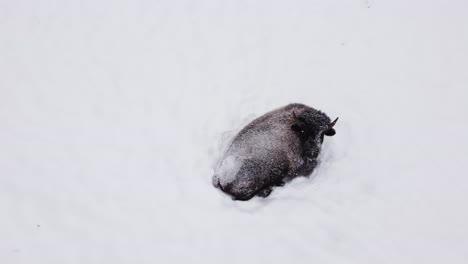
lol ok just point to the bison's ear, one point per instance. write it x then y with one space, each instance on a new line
330 132
296 124
296 127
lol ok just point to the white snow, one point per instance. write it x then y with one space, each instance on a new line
113 115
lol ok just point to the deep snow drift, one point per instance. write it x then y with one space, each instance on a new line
113 114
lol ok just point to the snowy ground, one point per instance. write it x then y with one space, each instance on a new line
113 114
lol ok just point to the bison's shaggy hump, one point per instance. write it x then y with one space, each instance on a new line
272 149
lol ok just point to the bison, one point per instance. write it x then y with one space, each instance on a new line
271 150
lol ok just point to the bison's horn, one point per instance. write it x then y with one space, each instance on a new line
333 123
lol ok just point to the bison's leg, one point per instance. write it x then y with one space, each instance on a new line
307 168
265 192
276 176
279 183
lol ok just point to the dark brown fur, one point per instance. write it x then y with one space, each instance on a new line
272 149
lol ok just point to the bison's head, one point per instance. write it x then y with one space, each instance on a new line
313 124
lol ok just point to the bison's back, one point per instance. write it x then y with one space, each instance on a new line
260 155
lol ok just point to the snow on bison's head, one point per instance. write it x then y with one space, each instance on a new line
272 149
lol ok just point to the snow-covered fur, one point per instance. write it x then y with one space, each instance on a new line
274 148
